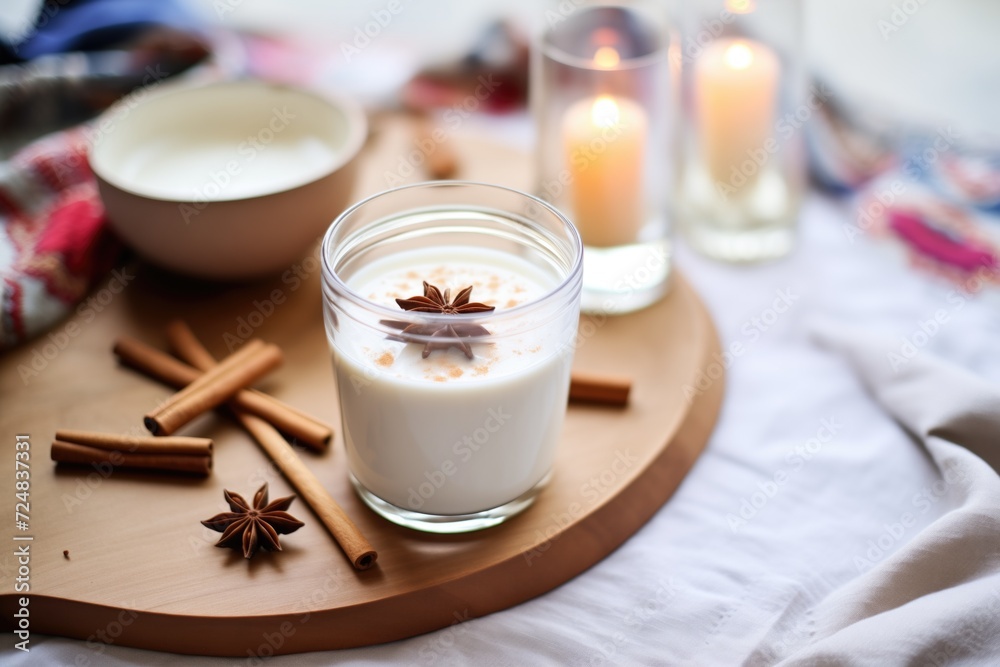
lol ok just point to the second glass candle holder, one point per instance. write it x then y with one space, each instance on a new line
600 91
742 174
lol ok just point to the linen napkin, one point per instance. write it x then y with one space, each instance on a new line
935 600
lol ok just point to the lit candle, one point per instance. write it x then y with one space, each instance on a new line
604 140
736 82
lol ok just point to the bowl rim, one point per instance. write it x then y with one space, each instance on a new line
357 134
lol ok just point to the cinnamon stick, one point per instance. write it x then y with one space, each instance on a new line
283 417
152 362
213 388
441 161
138 444
357 549
296 424
68 452
601 389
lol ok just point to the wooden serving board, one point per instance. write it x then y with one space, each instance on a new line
141 570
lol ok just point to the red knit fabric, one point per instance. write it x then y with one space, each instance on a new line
52 232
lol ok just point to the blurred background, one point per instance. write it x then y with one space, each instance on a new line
941 65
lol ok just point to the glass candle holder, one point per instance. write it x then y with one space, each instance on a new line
742 172
600 94
451 419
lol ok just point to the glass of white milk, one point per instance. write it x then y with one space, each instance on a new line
451 420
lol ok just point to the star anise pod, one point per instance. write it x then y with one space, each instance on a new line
249 527
451 335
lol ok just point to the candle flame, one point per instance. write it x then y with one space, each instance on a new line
604 113
606 57
741 6
739 56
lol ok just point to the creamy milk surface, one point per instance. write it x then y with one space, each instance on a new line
223 170
446 434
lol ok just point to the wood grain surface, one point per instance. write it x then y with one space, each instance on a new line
142 571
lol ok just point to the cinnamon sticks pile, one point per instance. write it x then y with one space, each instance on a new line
240 369
200 392
160 366
357 549
206 384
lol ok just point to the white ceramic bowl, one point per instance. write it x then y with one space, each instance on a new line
226 181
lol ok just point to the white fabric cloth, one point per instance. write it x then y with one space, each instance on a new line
935 600
815 529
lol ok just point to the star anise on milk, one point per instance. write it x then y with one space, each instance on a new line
248 527
450 335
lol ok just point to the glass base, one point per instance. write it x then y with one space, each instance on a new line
449 523
753 225
625 278
750 245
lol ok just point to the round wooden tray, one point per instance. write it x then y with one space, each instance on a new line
141 570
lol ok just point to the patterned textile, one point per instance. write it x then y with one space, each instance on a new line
933 194
940 207
53 243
